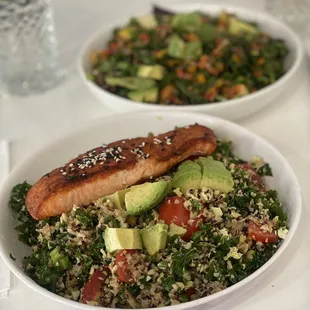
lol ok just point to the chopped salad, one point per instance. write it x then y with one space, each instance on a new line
205 225
192 58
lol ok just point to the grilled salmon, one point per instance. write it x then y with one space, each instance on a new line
107 169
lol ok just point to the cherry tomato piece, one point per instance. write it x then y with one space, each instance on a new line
144 37
190 292
91 290
192 227
172 210
255 177
123 269
257 234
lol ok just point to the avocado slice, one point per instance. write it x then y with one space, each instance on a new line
144 197
154 237
237 26
134 83
147 22
156 72
187 21
122 238
176 230
215 175
206 33
192 50
118 198
147 95
176 46
188 176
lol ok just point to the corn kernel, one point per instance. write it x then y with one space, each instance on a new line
192 37
261 61
201 78
236 58
191 69
219 83
160 53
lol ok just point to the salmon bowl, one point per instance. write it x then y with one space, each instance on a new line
225 78
211 223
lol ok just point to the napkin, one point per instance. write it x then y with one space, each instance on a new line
4 171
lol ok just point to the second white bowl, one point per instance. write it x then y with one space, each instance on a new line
230 109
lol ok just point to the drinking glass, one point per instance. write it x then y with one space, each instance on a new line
29 57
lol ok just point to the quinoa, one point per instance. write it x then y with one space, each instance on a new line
68 250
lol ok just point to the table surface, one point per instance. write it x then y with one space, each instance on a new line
30 122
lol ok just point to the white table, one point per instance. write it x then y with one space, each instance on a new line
30 122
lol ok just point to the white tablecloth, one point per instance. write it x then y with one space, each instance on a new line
32 121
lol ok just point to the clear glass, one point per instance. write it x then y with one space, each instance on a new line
29 58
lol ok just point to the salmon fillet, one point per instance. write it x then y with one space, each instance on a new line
107 169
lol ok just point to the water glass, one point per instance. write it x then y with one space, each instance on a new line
29 57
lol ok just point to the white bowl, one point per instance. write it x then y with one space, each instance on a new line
230 109
109 129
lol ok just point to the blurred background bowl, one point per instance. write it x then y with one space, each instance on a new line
230 109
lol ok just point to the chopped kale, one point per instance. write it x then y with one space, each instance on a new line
133 289
87 219
274 205
181 261
112 221
167 284
265 170
27 227
196 205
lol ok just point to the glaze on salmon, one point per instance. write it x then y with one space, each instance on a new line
107 169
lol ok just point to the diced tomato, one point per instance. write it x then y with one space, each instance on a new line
211 69
175 100
192 37
256 233
144 37
258 73
192 227
167 92
172 210
113 47
211 94
190 292
183 75
106 52
123 270
255 177
91 290
203 60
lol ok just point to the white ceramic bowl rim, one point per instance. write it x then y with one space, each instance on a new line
227 103
212 119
